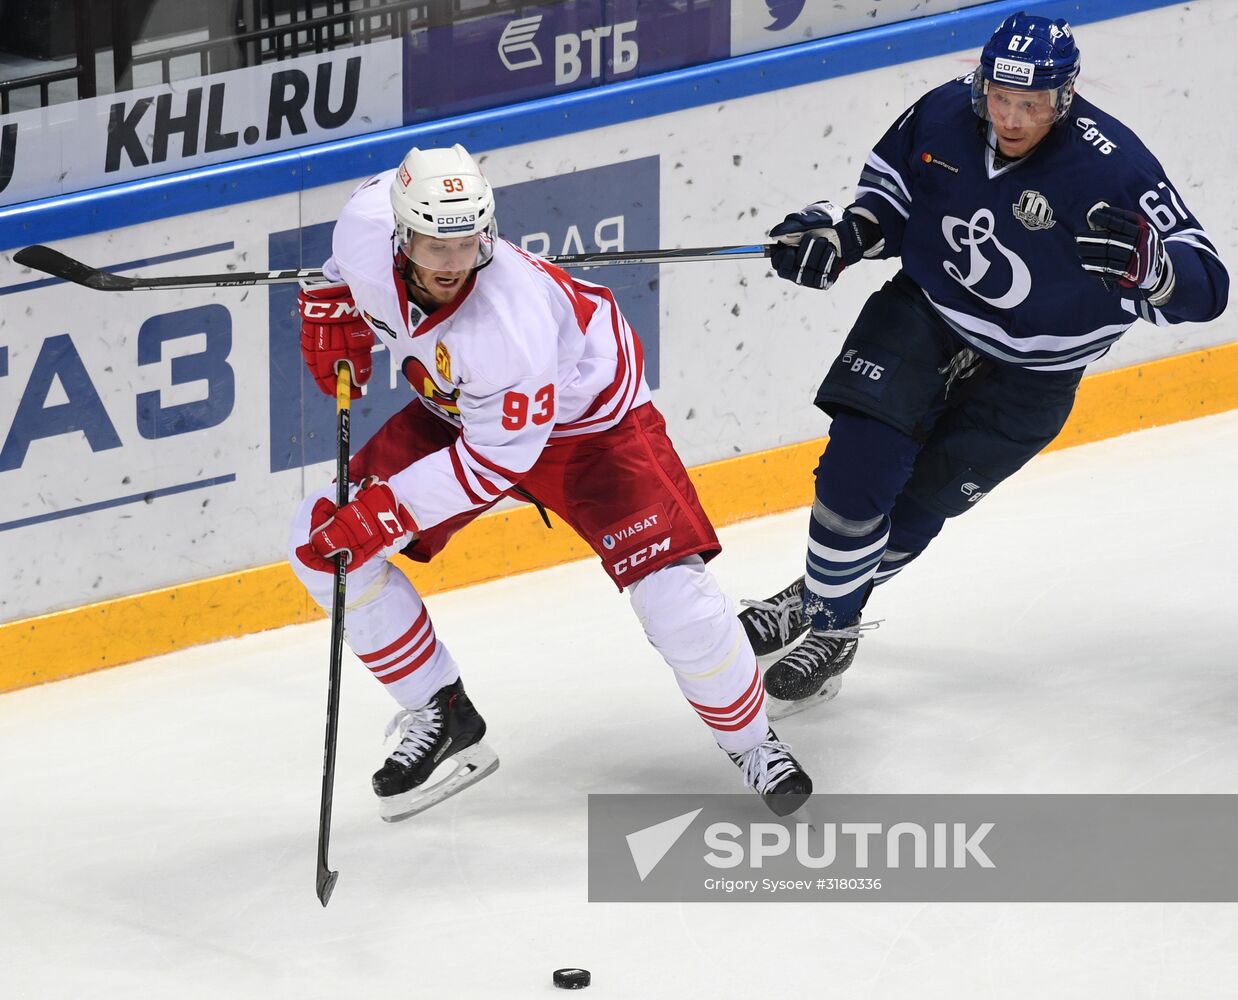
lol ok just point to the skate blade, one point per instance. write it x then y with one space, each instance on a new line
777 709
469 767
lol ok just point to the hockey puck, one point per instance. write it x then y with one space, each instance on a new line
572 979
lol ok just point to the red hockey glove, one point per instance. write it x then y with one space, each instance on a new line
333 333
373 521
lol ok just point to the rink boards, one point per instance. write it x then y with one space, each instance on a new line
155 444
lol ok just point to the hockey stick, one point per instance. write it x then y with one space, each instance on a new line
53 262
343 402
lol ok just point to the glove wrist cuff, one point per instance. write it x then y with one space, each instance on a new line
868 230
1163 290
317 286
403 510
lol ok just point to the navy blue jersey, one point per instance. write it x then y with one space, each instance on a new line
992 244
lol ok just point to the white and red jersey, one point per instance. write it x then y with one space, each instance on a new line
525 356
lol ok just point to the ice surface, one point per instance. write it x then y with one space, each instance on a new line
1074 633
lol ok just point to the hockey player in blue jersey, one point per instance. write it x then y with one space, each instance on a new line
1034 230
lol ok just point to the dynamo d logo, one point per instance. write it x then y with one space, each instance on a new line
976 234
784 13
516 47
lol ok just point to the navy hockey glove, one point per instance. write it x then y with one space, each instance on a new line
1123 248
814 245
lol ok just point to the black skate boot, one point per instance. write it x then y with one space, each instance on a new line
809 674
447 731
775 624
771 771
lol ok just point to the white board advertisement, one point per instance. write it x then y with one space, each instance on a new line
768 24
195 123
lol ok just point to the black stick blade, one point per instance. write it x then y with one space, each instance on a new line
53 262
326 882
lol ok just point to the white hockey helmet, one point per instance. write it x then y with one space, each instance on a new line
441 193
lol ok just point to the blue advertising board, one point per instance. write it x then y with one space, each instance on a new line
555 48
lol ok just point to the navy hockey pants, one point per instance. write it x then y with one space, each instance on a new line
924 428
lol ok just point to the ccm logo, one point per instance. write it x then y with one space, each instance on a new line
328 310
641 555
390 522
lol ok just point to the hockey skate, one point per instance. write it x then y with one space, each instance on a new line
771 771
774 625
440 754
809 675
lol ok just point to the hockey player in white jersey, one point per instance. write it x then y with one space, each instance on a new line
524 377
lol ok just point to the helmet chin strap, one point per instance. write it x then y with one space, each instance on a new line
984 126
408 271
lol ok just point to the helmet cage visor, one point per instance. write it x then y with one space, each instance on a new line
447 253
1020 101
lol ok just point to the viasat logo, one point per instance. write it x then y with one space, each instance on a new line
784 13
608 541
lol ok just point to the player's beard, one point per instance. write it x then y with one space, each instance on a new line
423 287
436 288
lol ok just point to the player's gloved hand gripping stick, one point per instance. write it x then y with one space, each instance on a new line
372 522
333 333
816 243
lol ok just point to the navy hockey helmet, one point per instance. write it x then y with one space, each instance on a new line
1032 53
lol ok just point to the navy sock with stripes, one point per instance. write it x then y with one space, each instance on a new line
843 555
864 468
